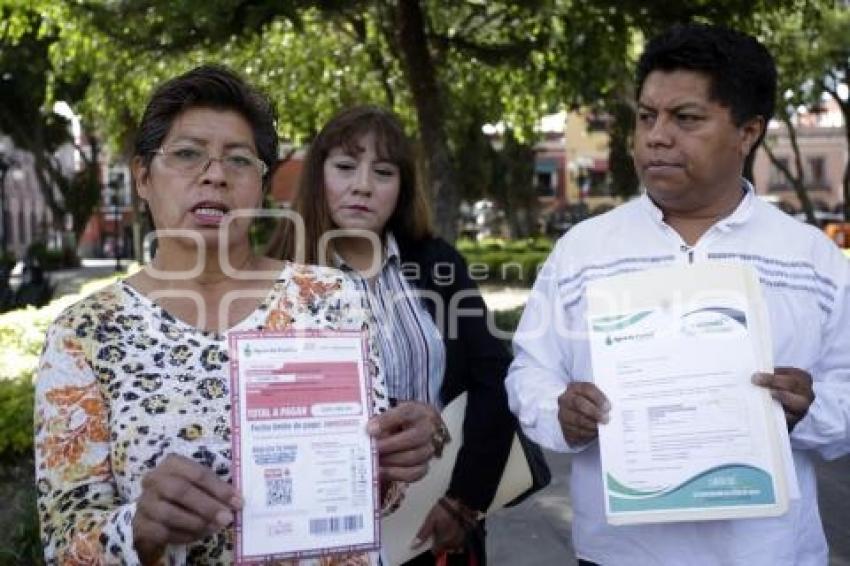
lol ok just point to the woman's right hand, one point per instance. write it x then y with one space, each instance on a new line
408 436
181 502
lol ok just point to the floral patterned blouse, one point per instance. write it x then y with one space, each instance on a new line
121 384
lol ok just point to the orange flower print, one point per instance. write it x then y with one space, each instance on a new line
83 550
80 418
74 348
68 395
345 560
309 289
279 318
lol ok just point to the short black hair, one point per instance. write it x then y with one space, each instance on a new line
741 70
208 86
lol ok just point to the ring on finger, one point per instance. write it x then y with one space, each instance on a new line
440 438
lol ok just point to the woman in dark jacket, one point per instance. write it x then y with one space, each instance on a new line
363 211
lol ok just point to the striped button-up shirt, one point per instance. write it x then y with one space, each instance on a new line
412 350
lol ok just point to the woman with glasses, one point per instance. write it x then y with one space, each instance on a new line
365 213
133 447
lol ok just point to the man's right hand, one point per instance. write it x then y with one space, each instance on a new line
581 407
181 502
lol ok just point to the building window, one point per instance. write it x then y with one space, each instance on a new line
545 177
816 174
543 183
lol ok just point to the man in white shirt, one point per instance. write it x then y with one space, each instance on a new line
705 95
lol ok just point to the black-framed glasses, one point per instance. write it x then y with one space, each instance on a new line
186 158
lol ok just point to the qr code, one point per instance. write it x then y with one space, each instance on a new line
278 491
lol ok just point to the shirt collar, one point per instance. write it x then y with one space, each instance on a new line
740 215
391 254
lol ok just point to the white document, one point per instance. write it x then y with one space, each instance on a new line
690 437
399 528
302 460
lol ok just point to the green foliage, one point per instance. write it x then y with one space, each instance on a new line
494 61
508 320
8 259
521 245
50 260
19 527
495 260
16 417
26 539
21 340
310 68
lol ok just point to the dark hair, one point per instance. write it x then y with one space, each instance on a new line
410 219
208 86
741 70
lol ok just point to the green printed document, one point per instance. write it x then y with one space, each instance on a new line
690 437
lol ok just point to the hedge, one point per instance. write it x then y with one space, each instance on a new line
507 262
51 260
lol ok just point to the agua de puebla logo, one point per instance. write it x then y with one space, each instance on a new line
612 324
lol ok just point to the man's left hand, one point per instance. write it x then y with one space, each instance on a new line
792 387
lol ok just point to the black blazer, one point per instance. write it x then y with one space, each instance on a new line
476 361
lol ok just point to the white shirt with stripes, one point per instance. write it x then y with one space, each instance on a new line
806 284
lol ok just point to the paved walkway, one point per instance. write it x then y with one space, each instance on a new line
503 298
69 281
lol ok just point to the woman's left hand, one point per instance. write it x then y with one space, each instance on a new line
447 532
407 435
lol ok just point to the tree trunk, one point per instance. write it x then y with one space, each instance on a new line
796 180
845 111
624 179
845 181
44 175
844 106
418 67
520 192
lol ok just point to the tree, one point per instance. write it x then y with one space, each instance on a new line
812 54
402 42
832 55
26 115
428 60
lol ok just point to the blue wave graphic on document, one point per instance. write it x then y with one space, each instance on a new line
723 486
618 322
737 315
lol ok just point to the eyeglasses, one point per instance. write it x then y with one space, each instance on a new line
238 163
